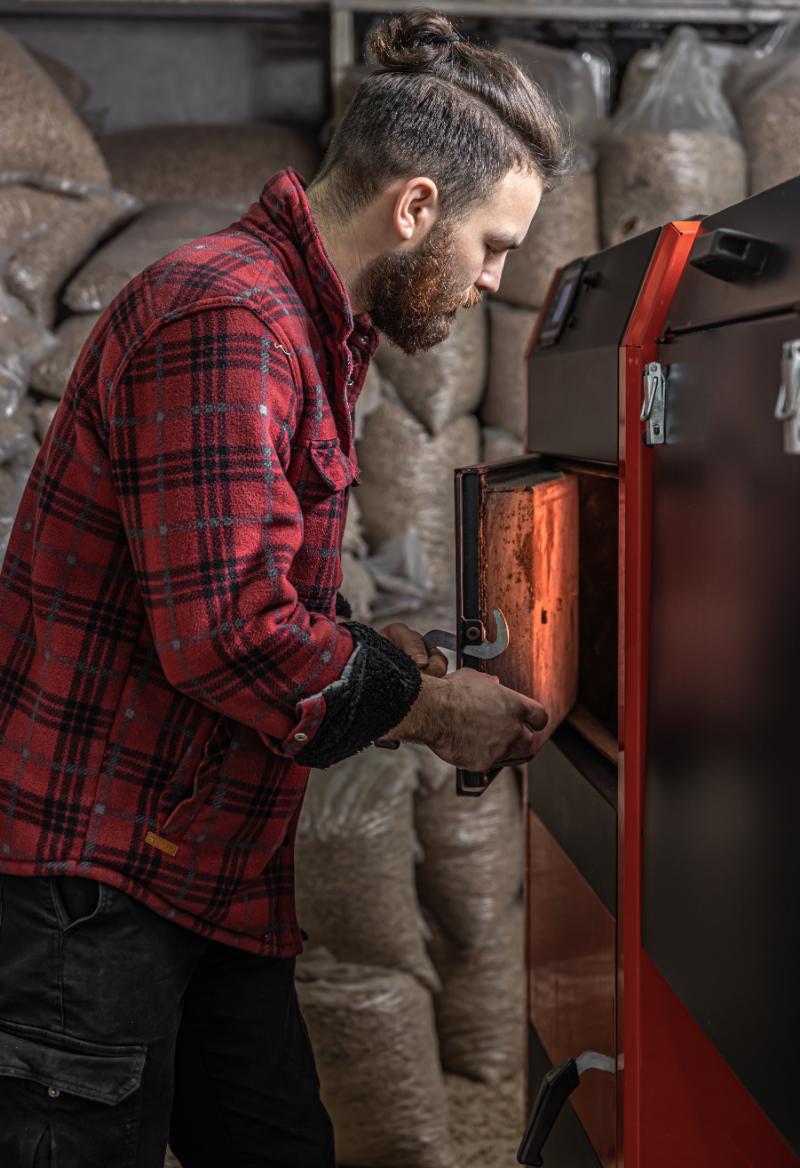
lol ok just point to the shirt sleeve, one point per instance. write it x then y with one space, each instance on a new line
199 431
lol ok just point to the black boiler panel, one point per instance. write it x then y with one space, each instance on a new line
573 372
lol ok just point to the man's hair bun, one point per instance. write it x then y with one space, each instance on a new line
413 41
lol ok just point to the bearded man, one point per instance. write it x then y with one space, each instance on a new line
171 662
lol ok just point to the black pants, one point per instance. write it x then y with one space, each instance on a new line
119 1030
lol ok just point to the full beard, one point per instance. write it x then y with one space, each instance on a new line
413 297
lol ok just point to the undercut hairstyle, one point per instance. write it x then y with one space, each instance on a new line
437 105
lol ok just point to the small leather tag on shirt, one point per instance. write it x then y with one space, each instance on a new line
163 845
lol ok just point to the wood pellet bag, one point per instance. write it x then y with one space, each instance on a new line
227 164
675 151
506 402
51 375
354 864
471 868
407 481
154 234
374 1042
480 1009
447 381
43 141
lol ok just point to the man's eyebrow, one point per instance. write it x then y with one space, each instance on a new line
504 242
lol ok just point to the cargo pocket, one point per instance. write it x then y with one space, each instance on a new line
67 1097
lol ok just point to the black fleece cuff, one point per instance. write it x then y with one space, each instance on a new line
343 607
381 688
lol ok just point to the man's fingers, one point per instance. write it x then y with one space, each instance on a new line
437 664
407 640
535 715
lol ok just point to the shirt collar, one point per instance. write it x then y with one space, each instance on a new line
284 216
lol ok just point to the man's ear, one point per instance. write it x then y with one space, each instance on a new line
416 209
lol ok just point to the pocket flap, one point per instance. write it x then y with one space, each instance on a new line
106 1074
333 464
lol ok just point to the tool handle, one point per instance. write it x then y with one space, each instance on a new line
556 1087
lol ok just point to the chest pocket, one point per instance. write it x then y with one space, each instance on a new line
321 475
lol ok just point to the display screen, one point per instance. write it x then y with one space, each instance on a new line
562 302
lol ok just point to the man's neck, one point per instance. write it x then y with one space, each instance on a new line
344 244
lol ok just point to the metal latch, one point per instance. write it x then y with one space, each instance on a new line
556 1087
654 407
787 409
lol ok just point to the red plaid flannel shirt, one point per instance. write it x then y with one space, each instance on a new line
167 601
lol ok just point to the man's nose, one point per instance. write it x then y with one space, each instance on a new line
489 279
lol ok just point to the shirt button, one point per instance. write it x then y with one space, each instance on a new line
301 737
53 1092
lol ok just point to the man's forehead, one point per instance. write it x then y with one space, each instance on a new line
507 211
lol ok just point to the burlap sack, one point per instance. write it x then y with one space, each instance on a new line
375 1048
358 587
407 481
480 1010
51 375
74 88
472 856
506 401
565 226
487 1123
42 139
42 264
355 863
448 380
155 233
15 434
24 211
226 164
368 399
498 444
674 152
766 94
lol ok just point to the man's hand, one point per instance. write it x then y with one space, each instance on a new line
472 721
433 664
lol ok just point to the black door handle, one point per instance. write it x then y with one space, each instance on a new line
556 1088
731 255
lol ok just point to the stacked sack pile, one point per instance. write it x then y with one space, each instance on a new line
56 202
565 226
79 219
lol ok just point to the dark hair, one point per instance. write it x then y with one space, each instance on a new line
440 106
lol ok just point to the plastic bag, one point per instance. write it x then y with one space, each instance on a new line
353 539
155 233
43 141
766 94
51 374
407 481
724 59
228 164
675 152
43 263
375 1048
480 1010
447 381
472 865
43 413
355 863
506 401
499 444
401 572
23 342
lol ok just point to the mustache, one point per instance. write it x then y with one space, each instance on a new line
472 299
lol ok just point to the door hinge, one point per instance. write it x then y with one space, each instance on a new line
654 406
787 409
